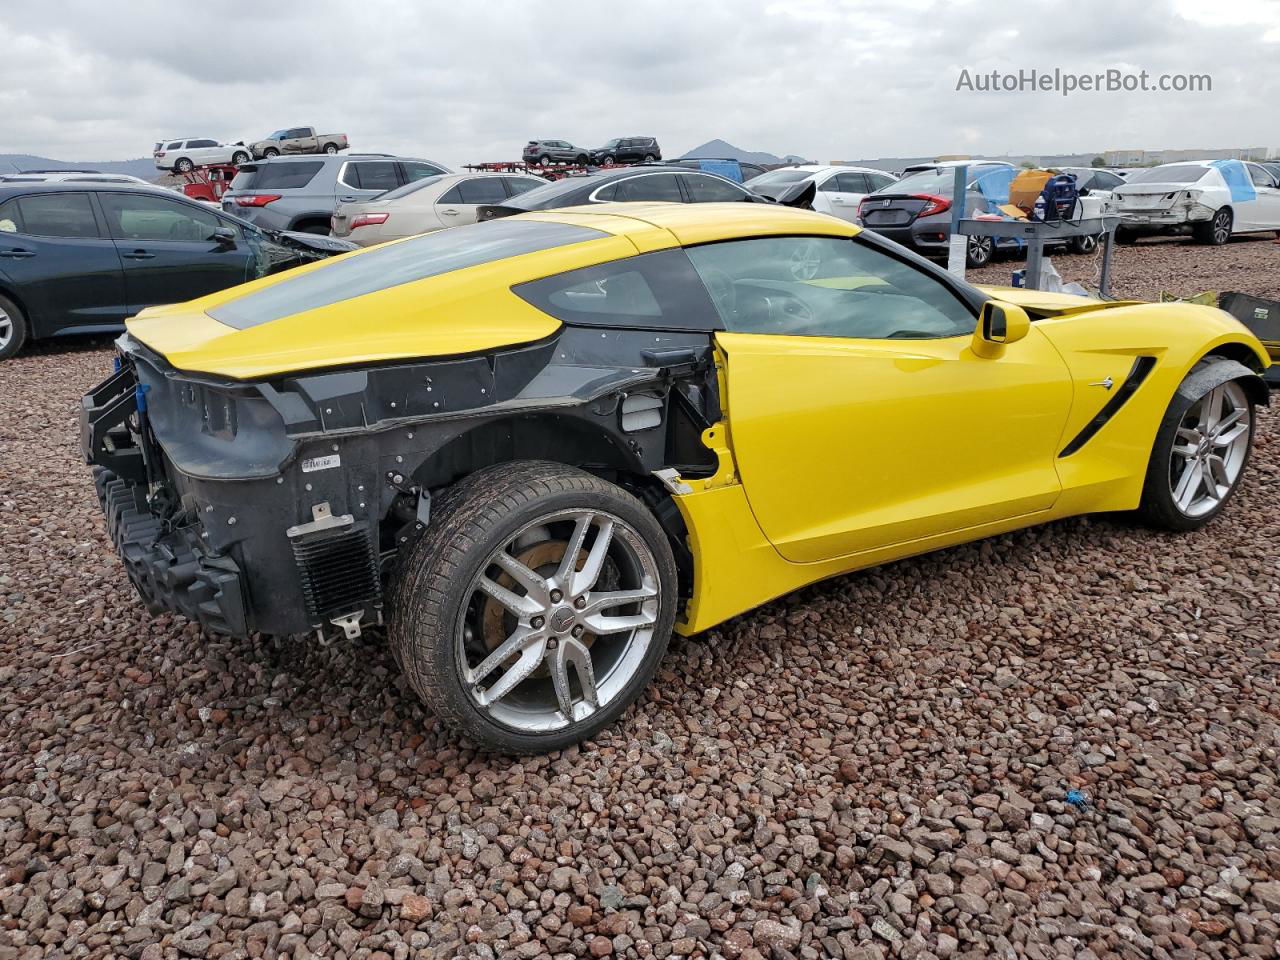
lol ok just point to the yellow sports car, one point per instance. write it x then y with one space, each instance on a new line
534 447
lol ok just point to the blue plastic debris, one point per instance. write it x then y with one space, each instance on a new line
1077 799
140 396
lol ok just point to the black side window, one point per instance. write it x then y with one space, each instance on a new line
704 189
58 215
659 291
518 185
297 132
142 216
852 182
1259 176
659 186
201 143
10 218
481 190
373 175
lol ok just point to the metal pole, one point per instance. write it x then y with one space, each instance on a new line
958 244
1035 259
1104 280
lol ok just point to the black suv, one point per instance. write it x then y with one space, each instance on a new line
628 150
554 151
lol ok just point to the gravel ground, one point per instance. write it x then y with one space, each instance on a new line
875 767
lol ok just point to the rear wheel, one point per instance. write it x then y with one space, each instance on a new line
1125 236
649 158
330 148
535 607
239 157
1084 244
13 328
545 159
184 165
979 251
1217 231
1200 451
581 160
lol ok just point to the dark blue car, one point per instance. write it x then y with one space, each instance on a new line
80 258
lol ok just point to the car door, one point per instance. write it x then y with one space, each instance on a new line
59 263
860 416
298 140
1266 207
202 152
169 248
457 205
848 190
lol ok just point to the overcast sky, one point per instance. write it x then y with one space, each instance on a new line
467 81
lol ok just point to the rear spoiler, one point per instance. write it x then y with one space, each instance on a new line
495 211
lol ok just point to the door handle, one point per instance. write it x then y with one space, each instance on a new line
348 199
17 253
139 255
451 212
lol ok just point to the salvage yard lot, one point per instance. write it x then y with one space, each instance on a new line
877 765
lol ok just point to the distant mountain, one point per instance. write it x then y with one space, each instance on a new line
722 150
143 167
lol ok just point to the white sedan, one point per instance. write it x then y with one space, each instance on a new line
839 189
422 206
1210 199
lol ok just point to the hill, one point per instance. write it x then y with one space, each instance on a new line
723 150
143 167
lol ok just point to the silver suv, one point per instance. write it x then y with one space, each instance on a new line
301 193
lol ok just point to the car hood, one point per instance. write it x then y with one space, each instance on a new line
1046 304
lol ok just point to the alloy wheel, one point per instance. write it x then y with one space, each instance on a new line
980 250
1222 226
558 621
6 328
1210 449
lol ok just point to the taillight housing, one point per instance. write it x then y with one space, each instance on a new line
255 199
935 204
368 219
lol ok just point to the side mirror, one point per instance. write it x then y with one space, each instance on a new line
999 324
225 237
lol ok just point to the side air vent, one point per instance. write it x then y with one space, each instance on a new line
1137 373
339 571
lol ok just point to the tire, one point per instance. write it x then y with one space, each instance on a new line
183 165
544 160
331 148
270 152
13 328
581 159
1218 230
239 157
440 614
607 159
649 158
1168 503
1084 244
979 251
1125 236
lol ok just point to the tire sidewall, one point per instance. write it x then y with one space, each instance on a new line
416 626
21 332
1158 503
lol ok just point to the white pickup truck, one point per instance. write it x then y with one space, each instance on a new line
298 140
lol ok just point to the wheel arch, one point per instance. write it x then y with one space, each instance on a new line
570 440
8 291
1247 357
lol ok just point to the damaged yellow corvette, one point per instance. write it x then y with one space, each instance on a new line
533 447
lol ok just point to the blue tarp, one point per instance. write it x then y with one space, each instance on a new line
1237 178
726 168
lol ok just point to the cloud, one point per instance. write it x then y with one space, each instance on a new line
465 82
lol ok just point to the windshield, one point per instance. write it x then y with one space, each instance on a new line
1173 173
788 175
275 135
613 143
540 198
409 188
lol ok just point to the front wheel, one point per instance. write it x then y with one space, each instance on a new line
270 152
535 607
1201 448
1085 244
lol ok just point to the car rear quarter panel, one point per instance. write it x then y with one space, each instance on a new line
1107 472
